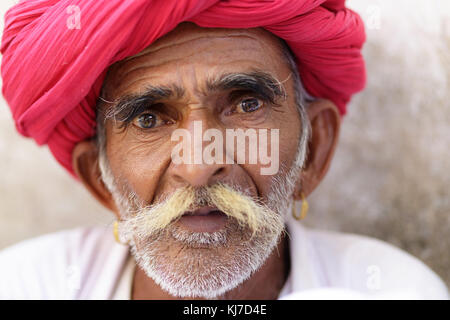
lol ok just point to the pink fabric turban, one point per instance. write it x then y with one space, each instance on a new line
53 72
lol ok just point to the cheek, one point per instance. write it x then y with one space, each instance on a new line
264 182
140 164
282 155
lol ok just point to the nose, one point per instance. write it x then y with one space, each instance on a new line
195 169
198 175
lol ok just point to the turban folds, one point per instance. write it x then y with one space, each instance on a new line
53 70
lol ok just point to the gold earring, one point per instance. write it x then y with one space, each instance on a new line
304 209
116 231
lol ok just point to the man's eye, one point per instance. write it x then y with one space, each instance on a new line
147 121
249 105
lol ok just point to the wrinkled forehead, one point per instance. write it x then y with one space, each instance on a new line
187 31
217 49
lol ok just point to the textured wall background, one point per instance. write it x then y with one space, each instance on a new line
390 177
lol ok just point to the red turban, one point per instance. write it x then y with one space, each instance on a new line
53 71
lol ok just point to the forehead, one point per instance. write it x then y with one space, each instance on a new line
191 54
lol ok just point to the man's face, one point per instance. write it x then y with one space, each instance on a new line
222 79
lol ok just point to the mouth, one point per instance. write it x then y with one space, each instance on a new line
204 219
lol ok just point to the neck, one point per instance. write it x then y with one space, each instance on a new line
265 283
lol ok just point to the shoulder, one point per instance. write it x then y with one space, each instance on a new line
372 266
54 266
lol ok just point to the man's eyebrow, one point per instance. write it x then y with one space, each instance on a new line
129 106
260 82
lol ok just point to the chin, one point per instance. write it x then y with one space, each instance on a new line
203 265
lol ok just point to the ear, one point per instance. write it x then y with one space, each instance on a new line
85 165
325 122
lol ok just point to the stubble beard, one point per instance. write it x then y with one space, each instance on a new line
201 264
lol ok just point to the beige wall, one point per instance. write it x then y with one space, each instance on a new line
390 177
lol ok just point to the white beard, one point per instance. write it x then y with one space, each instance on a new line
207 265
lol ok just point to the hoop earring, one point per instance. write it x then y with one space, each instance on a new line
303 211
116 232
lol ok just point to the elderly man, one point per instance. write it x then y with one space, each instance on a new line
212 120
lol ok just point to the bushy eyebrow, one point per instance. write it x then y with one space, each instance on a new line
130 106
262 83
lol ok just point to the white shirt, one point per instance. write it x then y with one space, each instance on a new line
87 263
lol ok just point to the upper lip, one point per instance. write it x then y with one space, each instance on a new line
202 211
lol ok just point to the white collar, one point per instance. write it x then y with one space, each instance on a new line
305 271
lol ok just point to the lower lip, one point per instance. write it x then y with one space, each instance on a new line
211 222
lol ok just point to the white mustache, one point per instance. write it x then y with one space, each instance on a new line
249 212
